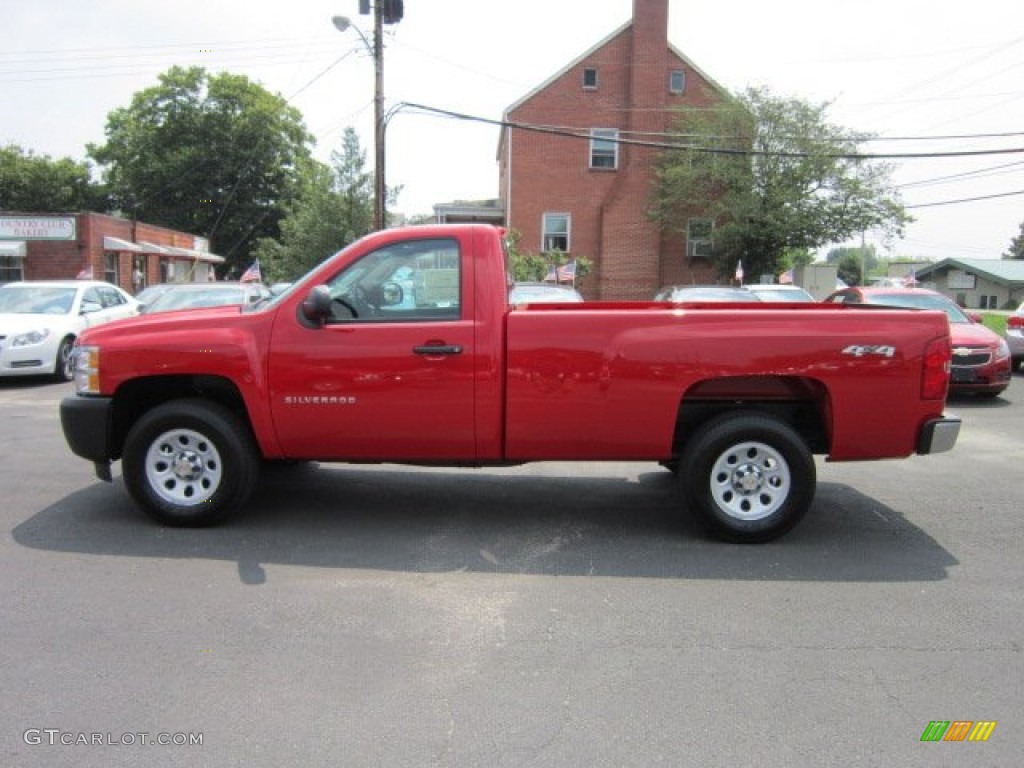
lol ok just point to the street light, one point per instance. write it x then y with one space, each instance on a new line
342 23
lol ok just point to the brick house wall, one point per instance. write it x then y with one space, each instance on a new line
543 173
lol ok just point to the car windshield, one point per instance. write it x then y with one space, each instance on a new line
36 299
921 301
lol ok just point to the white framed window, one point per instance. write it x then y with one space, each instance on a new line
677 81
590 79
699 238
604 148
555 230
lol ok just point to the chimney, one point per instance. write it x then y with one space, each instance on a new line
650 53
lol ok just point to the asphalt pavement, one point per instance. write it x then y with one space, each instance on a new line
556 614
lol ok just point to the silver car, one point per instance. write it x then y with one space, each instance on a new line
1015 337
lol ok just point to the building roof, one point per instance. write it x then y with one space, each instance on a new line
589 53
1008 272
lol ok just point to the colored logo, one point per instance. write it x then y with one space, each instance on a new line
958 730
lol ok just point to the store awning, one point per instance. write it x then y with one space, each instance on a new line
117 244
189 253
15 248
181 253
153 247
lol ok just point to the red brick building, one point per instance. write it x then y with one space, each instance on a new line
590 196
131 254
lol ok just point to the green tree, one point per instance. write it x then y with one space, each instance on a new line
1016 246
214 155
848 269
535 267
31 183
333 207
773 175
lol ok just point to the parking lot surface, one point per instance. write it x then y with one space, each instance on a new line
548 615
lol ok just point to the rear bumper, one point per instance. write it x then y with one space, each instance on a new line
938 435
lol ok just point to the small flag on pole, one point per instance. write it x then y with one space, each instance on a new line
563 274
252 274
739 271
85 274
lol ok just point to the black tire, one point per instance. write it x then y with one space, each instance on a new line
190 463
747 477
62 370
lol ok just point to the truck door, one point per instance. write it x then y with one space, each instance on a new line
390 375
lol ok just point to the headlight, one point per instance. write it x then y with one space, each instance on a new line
86 367
30 338
1003 350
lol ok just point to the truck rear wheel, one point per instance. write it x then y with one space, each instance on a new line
748 477
190 463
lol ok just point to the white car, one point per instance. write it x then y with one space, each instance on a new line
779 292
40 320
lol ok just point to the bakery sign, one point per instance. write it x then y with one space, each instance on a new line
37 227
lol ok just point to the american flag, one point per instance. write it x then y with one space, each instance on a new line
563 274
739 271
85 274
252 274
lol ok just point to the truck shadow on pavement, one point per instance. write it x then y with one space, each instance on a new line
495 521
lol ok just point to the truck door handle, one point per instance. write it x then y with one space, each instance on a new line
438 349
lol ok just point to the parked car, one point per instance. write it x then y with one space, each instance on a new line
680 293
543 293
198 295
779 292
40 320
981 357
1015 337
150 292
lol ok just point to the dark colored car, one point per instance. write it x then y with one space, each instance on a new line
981 357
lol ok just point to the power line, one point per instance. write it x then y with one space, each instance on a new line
966 199
584 133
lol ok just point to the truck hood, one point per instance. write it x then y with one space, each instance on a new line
162 322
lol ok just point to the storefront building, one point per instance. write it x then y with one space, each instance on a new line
129 254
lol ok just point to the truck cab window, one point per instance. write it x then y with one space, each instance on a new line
412 281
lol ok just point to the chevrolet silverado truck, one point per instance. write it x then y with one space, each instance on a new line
403 348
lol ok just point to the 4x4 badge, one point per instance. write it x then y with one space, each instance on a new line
862 350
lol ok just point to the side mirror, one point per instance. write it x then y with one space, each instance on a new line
316 307
391 294
976 317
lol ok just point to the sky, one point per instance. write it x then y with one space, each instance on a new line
924 77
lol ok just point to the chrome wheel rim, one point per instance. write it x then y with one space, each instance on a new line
184 467
750 481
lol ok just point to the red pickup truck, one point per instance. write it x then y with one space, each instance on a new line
403 348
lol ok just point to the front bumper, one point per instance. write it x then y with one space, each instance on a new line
938 435
87 424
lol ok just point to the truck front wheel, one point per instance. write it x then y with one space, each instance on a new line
748 477
190 463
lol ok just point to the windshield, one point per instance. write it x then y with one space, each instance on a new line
36 299
922 301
